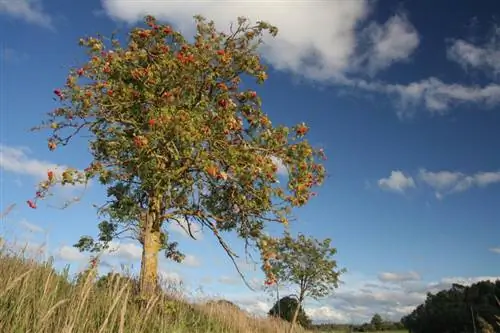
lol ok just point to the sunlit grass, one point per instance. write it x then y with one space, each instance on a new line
36 298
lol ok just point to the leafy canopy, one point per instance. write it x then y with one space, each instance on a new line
285 309
173 133
307 263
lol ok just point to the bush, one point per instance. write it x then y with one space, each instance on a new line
286 308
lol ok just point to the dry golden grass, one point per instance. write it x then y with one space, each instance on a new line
35 298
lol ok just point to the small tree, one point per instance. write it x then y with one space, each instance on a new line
377 322
175 139
285 309
308 264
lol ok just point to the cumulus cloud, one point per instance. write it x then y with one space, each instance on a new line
70 253
169 277
300 47
394 41
397 182
432 93
348 45
484 57
255 305
30 11
398 277
392 295
448 182
282 170
327 314
17 160
191 261
127 251
357 300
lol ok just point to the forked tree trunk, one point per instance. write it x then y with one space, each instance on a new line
151 244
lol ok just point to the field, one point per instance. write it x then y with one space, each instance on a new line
34 298
403 331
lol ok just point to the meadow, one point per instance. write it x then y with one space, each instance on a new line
36 298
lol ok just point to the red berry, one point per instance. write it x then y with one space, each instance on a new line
31 204
223 103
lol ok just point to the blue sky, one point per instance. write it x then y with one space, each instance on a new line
403 95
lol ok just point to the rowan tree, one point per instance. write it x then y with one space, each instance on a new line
306 263
175 139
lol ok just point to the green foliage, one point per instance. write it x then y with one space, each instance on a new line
457 309
308 264
286 309
174 138
377 322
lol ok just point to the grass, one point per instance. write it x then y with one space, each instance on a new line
35 298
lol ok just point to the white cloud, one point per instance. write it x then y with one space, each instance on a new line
335 54
327 314
360 296
70 253
484 57
397 182
282 170
169 277
16 160
255 305
29 10
191 261
448 182
127 251
31 227
394 41
398 277
300 46
435 95
495 250
467 281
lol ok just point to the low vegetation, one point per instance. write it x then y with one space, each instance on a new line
36 298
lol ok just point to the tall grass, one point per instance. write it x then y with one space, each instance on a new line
35 298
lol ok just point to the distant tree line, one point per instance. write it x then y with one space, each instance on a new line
459 309
377 323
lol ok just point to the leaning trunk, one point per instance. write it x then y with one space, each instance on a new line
151 244
295 315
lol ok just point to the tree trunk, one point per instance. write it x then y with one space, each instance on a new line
151 244
295 315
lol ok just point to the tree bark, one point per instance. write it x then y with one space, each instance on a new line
151 244
295 315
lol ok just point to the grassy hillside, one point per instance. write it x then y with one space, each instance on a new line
35 298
